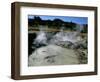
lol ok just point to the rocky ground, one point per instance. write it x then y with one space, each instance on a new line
53 55
61 49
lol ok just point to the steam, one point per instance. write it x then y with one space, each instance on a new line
79 27
41 37
73 36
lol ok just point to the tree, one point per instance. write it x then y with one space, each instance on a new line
70 25
37 21
57 23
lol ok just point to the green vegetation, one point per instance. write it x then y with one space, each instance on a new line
56 23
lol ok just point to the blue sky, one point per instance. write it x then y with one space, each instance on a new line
78 20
